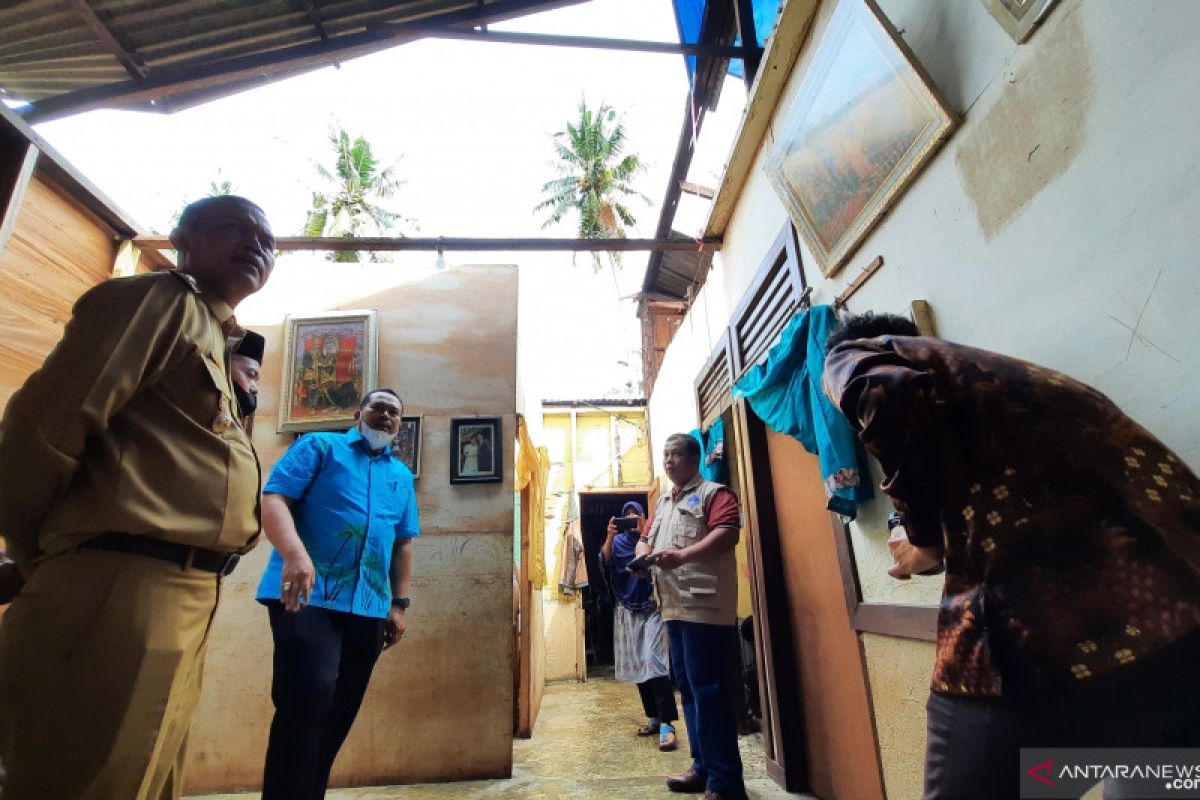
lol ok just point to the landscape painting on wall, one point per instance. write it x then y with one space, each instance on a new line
865 120
329 363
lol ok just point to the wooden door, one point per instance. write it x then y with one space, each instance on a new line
779 695
839 731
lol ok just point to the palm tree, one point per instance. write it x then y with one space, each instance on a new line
349 207
596 177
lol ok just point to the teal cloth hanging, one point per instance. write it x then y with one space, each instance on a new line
785 392
712 462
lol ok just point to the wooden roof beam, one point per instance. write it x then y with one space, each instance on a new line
98 29
463 244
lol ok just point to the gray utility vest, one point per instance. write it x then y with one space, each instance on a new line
704 590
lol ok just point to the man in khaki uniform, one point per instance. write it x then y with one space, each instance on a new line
127 489
690 546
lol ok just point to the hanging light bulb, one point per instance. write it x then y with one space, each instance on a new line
440 262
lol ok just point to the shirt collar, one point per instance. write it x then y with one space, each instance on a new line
677 492
219 308
353 436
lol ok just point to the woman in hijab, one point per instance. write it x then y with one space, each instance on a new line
639 636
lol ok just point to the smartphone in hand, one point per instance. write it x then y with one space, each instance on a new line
640 563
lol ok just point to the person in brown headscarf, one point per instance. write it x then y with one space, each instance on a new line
1070 615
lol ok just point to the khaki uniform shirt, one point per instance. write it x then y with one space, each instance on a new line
130 426
703 590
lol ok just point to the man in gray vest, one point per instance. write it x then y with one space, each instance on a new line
690 544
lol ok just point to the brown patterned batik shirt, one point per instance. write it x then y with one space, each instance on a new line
1071 534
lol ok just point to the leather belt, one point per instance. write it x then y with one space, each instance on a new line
184 555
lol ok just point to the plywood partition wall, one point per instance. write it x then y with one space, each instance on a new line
56 251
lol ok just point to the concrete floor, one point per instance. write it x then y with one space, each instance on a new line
583 748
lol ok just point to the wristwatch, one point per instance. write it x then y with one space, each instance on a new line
401 602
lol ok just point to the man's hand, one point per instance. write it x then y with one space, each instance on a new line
909 558
297 580
669 559
10 582
393 627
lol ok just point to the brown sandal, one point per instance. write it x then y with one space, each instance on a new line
649 729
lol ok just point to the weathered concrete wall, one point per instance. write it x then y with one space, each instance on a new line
899 675
448 355
1057 224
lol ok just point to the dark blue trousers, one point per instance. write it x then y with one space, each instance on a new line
701 661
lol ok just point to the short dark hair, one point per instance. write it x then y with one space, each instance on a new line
367 397
690 445
195 209
868 326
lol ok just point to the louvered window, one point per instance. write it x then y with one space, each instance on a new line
714 386
769 303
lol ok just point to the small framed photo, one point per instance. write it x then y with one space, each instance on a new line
329 361
475 450
406 445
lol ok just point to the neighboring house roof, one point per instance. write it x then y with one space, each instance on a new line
67 56
678 274
610 403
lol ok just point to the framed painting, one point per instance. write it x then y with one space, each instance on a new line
864 122
329 362
476 454
406 445
1018 17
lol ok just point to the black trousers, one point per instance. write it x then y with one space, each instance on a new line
973 745
658 699
323 662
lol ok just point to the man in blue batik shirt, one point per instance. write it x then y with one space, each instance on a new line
341 514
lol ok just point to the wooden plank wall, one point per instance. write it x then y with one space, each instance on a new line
56 252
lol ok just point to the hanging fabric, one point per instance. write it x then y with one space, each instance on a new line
785 392
713 466
533 468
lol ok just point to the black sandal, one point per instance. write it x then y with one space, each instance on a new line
649 729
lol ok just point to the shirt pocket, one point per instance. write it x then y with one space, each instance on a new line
697 587
689 526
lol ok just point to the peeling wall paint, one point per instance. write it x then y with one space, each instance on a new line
1033 132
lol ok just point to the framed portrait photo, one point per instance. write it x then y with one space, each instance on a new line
329 361
864 123
406 445
476 452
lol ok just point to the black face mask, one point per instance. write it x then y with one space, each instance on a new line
247 403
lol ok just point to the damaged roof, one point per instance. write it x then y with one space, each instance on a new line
68 56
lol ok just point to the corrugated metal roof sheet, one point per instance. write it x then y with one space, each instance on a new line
66 56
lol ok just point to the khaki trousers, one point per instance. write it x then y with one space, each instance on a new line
100 669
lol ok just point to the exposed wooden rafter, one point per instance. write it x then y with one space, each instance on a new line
129 61
464 244
314 16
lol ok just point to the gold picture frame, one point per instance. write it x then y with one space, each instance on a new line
329 361
1018 17
864 123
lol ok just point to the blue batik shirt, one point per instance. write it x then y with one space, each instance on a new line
350 508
